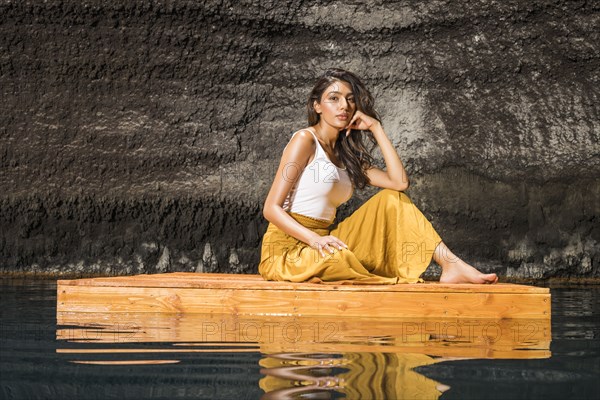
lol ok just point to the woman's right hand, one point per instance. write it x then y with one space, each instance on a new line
327 243
361 121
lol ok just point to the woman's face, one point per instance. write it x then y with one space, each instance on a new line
337 105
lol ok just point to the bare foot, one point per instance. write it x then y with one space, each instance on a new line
455 270
442 388
461 272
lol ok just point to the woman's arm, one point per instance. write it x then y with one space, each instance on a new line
293 161
395 176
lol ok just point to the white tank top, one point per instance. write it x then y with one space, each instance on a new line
321 188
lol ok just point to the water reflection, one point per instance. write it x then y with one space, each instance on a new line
30 366
288 375
306 357
355 375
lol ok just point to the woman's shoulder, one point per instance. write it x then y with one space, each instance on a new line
304 133
300 147
304 136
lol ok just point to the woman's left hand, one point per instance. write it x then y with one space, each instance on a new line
361 121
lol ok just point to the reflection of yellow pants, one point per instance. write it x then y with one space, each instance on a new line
389 241
366 376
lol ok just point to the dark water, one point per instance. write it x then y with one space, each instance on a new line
35 364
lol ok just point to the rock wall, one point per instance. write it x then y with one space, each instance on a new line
144 136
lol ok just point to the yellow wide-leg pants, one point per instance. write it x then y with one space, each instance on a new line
389 241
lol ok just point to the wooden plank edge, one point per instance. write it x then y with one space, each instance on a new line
199 282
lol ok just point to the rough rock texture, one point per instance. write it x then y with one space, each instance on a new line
143 136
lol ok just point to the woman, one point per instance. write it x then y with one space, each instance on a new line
386 240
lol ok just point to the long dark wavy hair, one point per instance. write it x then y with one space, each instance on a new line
350 150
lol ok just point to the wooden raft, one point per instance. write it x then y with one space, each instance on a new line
250 295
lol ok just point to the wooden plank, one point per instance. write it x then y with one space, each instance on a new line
278 302
239 281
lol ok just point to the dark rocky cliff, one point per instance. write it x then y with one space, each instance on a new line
143 136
